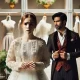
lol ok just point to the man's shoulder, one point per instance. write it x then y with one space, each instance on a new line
52 34
71 32
74 33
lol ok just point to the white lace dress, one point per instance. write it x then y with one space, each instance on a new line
8 38
34 50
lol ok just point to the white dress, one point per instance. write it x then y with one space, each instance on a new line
9 25
76 27
43 29
34 50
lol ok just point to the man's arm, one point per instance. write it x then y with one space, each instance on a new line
49 45
77 47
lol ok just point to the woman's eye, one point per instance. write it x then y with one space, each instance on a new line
25 23
31 24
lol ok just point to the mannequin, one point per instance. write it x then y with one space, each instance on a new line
20 29
43 29
77 25
9 25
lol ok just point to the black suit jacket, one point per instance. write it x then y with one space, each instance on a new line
73 44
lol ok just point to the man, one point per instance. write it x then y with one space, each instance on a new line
62 44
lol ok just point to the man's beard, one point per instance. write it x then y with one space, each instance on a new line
58 27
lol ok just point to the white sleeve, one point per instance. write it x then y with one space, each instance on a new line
11 60
45 58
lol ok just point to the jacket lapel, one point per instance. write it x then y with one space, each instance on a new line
55 41
68 35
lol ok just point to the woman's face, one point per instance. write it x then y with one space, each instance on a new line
28 25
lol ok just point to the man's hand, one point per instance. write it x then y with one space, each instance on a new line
55 55
63 55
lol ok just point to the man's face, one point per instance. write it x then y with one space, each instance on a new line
58 23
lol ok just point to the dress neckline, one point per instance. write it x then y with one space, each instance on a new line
31 40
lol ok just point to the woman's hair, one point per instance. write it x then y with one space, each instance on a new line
31 15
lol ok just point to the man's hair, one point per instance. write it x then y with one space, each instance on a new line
61 15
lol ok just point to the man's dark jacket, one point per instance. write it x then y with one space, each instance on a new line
73 44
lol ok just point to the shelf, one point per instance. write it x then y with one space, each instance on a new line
76 10
47 11
11 11
4 5
33 5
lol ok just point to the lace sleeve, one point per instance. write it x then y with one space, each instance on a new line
45 58
11 60
46 55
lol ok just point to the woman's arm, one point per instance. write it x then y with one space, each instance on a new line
45 58
11 59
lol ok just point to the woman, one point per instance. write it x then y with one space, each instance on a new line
28 55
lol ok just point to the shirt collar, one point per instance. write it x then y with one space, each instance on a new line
64 33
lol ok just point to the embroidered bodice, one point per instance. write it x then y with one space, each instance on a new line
33 50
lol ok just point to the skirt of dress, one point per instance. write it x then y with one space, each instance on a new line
27 75
48 70
7 41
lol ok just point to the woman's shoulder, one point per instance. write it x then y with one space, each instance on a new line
40 41
17 40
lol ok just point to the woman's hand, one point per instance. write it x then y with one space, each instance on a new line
23 66
27 65
31 65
